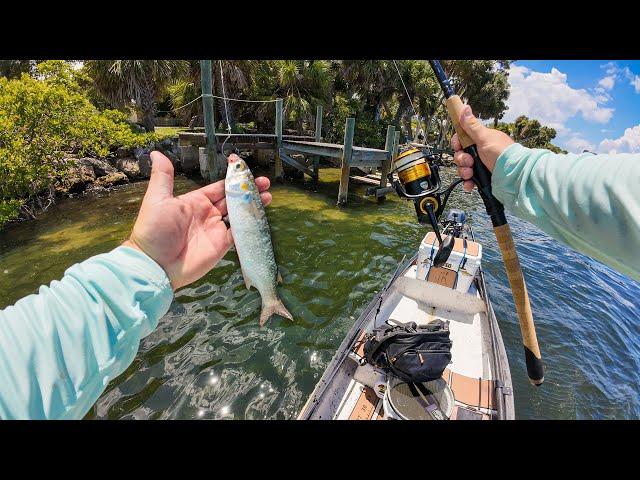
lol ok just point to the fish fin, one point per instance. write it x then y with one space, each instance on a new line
247 282
278 277
272 308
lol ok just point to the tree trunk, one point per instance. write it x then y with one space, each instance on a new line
148 106
402 108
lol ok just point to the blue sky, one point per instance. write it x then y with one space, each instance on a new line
593 105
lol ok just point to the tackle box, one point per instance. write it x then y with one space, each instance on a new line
460 268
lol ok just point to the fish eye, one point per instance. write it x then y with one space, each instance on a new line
237 166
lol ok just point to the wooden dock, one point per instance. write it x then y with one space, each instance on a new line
344 156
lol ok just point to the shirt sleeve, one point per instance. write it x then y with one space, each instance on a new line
59 348
589 202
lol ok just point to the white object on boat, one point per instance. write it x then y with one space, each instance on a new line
440 297
465 262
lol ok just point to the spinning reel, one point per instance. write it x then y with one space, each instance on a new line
419 180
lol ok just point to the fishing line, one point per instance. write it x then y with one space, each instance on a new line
406 91
226 110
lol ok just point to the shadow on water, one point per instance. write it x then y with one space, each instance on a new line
209 358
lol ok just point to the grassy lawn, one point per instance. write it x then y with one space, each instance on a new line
165 132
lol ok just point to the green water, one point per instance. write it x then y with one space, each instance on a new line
209 358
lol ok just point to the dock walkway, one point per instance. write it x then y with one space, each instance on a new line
344 156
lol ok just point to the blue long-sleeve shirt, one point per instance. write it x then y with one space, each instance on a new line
589 202
60 348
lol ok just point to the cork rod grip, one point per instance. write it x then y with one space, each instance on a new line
454 109
535 368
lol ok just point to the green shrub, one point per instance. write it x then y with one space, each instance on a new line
43 118
368 133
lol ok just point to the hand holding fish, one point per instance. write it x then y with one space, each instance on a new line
185 235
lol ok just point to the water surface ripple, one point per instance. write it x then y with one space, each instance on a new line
209 359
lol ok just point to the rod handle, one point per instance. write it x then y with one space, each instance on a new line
533 358
454 109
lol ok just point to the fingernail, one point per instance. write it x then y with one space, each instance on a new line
467 112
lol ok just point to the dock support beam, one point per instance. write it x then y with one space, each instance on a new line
318 134
215 171
396 144
279 173
386 165
346 160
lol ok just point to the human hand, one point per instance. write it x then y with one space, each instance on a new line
185 235
490 143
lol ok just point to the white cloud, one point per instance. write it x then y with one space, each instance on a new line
614 71
548 98
607 82
629 142
578 144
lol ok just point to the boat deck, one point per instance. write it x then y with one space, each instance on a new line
469 374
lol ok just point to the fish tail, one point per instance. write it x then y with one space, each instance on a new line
271 308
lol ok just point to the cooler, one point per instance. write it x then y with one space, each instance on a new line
459 270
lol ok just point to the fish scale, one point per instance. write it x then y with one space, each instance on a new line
252 237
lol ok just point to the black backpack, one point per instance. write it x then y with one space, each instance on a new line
414 354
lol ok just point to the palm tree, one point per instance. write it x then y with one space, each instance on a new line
303 84
141 81
374 81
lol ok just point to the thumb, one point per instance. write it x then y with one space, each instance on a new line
161 181
472 126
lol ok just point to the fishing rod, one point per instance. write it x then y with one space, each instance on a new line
495 210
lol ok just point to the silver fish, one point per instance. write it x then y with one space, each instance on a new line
252 237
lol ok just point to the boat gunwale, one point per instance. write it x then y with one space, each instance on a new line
343 350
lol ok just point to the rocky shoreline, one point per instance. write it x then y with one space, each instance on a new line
124 166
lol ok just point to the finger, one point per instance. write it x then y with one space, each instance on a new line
462 159
474 128
263 183
161 181
455 142
465 172
468 186
266 198
221 205
214 191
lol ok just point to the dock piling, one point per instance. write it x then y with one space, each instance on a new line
279 171
215 169
386 165
318 138
396 144
346 160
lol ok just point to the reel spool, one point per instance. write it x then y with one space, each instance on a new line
419 180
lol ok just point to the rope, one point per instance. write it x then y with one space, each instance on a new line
243 100
178 108
218 97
